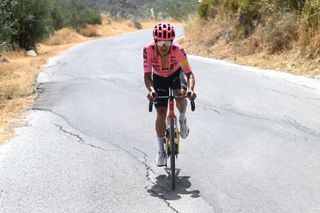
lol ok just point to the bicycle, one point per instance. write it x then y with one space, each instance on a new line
172 133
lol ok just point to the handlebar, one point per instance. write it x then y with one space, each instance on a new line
192 103
150 106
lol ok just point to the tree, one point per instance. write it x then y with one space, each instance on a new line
32 23
6 22
58 15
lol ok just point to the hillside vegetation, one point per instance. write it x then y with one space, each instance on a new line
281 34
176 9
24 23
141 9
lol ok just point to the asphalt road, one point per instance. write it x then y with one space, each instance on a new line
88 144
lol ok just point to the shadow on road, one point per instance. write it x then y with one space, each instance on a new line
162 188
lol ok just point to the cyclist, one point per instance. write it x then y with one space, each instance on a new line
164 64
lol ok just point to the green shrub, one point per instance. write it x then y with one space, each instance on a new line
289 5
74 14
58 15
281 32
208 8
6 23
137 24
177 9
230 6
248 12
92 18
311 17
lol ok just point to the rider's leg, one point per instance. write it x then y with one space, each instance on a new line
182 106
161 126
161 159
180 102
179 84
182 115
162 89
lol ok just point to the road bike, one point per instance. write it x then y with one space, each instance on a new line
172 133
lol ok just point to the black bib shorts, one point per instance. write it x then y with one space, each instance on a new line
162 85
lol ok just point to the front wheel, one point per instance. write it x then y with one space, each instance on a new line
172 154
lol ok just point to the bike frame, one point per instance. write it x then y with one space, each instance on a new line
172 131
172 117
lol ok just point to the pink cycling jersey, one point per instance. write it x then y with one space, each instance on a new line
177 59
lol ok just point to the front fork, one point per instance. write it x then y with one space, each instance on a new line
176 140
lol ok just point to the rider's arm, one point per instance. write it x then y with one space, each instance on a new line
147 65
147 68
184 63
183 60
148 82
191 81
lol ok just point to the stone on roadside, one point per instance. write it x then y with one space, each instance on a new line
99 33
31 53
4 60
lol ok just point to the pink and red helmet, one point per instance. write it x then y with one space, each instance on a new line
163 32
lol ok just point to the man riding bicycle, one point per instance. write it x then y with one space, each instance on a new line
165 64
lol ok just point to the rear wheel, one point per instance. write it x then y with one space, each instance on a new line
172 154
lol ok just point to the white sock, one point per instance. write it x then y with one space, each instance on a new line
182 116
160 144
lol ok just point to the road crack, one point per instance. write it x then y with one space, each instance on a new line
148 176
293 122
80 139
50 111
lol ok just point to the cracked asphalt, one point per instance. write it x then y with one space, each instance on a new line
88 144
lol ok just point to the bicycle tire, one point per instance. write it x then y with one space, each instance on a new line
172 154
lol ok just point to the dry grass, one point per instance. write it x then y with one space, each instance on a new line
16 86
18 71
91 31
312 48
212 39
65 36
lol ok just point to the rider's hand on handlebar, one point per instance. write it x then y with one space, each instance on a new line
151 95
191 95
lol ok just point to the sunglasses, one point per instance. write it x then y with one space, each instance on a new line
165 43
